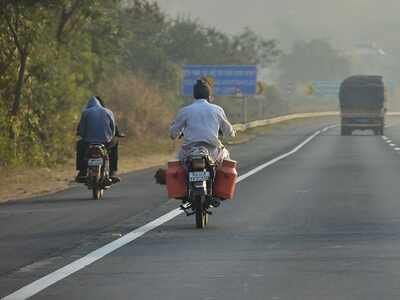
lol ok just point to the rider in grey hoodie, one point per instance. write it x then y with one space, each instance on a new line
97 125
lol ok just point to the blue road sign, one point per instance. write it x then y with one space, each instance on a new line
228 80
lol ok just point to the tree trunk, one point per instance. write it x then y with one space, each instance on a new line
18 94
20 83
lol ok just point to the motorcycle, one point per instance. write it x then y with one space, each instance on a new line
98 170
201 171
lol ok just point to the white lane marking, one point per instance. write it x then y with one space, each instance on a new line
392 145
388 141
50 279
275 160
384 137
397 149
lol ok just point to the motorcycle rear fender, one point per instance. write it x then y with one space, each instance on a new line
199 188
93 171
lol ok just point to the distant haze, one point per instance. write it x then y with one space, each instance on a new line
346 22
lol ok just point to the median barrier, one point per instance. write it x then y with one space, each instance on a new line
280 119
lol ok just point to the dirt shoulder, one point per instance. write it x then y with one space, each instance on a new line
25 183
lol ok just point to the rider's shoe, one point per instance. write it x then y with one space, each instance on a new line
114 177
81 177
214 202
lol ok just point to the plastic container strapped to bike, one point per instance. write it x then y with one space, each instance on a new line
225 180
176 179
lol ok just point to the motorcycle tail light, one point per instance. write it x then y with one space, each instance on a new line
198 163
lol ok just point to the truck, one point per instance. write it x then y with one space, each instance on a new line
362 104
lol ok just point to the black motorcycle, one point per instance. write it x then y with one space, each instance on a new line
98 170
201 173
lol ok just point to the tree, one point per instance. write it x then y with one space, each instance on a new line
250 48
23 20
314 60
191 43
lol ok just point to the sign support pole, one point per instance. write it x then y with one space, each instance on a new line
244 110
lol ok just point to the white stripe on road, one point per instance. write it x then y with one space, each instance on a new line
275 160
397 149
392 145
50 279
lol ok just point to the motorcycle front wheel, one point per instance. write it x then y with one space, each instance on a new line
201 212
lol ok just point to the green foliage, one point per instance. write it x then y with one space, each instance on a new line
55 54
188 42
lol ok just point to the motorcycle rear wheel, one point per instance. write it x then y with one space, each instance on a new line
97 191
201 212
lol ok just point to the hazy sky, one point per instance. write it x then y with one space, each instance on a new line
343 21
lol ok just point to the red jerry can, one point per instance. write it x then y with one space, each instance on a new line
225 180
176 178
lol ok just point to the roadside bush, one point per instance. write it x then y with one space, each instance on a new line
141 109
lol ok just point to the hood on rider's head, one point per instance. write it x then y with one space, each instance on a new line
93 102
101 101
201 90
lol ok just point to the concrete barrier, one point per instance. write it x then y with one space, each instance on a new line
280 119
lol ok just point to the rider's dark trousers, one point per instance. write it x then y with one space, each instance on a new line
81 148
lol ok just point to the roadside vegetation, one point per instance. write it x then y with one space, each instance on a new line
55 54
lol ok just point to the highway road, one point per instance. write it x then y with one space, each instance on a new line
320 223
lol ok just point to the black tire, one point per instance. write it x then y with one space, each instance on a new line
201 213
97 192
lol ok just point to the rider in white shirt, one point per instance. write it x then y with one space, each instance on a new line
200 124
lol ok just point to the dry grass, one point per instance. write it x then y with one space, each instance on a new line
26 183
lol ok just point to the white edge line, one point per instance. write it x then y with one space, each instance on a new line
58 275
50 279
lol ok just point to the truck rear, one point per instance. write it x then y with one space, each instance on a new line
362 104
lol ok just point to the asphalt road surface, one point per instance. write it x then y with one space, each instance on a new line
322 223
